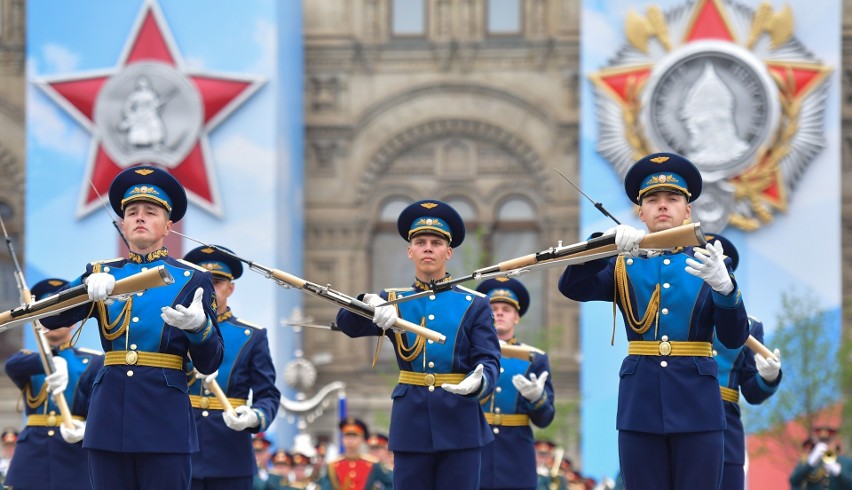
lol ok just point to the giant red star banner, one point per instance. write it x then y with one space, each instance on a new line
739 55
150 108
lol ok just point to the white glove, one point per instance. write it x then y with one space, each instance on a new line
832 468
816 453
58 381
190 318
627 239
468 385
243 418
206 378
383 316
74 435
768 368
711 267
531 388
99 285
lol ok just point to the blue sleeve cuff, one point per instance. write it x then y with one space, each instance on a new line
202 335
730 301
769 387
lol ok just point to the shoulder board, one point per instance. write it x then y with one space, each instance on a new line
107 261
249 324
398 290
25 351
472 291
754 319
194 266
93 352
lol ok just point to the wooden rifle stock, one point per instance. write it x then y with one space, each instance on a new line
214 388
758 348
517 352
353 304
76 296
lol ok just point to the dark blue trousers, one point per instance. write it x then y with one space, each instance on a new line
690 460
458 470
733 477
139 471
243 482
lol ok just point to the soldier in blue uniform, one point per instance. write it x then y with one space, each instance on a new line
524 395
141 431
741 370
226 459
437 426
670 419
48 454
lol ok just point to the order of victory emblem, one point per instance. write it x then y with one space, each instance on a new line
725 85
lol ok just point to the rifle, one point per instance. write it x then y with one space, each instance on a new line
325 292
44 351
592 249
512 351
752 343
76 296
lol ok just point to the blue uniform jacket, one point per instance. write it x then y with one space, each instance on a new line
42 457
738 372
246 367
509 461
140 408
672 394
433 421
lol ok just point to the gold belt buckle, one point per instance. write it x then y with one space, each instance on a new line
429 379
665 348
205 402
131 357
51 419
498 418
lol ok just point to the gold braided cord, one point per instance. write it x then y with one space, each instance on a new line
38 400
408 354
622 283
109 330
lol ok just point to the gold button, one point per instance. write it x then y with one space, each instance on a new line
431 364
496 409
50 433
85 361
498 419
131 357
205 402
247 332
431 317
715 353
132 346
431 388
129 372
106 269
429 379
51 421
629 261
665 348
186 273
144 269
667 262
495 430
205 413
664 363
498 389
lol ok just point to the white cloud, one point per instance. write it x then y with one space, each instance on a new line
266 37
58 59
245 162
52 131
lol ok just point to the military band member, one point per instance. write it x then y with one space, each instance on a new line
741 370
8 439
141 432
48 454
377 445
354 470
300 476
547 468
262 458
822 466
523 396
437 426
225 459
670 419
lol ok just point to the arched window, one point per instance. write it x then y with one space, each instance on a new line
516 233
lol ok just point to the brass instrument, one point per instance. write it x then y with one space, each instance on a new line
829 456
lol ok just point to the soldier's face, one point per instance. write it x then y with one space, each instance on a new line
224 289
663 210
506 318
352 443
430 254
145 224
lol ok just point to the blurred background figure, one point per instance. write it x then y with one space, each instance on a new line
547 467
377 444
262 458
822 465
9 440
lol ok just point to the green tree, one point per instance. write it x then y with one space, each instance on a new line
811 374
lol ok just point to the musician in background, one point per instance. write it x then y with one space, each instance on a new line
547 467
671 420
822 465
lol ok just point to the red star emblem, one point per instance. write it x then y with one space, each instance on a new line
150 109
